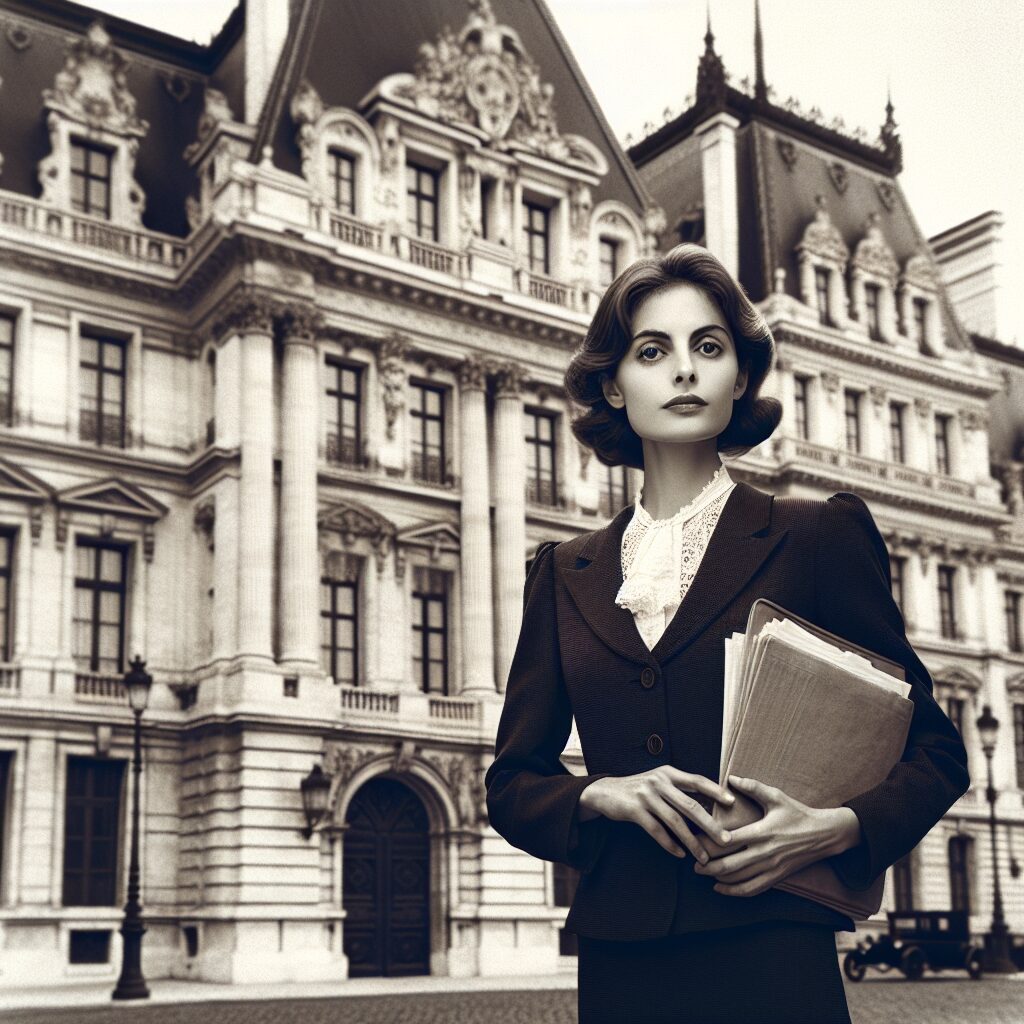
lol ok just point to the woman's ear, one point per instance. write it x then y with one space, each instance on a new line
612 394
741 385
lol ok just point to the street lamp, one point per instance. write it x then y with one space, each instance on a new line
131 984
315 788
999 940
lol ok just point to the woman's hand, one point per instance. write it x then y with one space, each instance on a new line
658 801
790 836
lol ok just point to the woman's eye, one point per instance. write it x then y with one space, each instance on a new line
647 348
714 344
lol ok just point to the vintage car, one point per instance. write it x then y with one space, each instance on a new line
935 939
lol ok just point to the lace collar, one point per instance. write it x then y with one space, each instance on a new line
713 489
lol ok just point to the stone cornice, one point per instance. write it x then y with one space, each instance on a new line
879 359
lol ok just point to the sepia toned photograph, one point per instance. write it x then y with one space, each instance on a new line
511 512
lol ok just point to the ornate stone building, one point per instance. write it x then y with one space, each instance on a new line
887 394
283 323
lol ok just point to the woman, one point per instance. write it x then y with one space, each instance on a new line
624 629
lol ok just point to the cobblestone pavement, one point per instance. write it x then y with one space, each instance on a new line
935 1000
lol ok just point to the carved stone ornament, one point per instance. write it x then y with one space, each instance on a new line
923 407
973 419
887 194
247 312
18 37
581 205
509 380
839 176
483 76
215 111
92 87
920 272
178 87
830 381
878 395
874 255
473 374
204 517
391 369
352 519
465 786
822 239
787 151
300 322
343 760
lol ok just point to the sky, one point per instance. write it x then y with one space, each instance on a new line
954 69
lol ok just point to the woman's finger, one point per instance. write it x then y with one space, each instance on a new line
693 810
740 861
701 784
764 794
657 830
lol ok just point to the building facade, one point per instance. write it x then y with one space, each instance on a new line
283 324
887 393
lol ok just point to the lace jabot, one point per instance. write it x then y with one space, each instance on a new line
660 557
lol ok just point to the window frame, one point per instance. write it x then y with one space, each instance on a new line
897 433
7 353
822 294
423 596
419 198
612 245
534 476
336 157
854 414
97 586
8 553
946 585
109 894
1012 602
941 432
419 459
897 576
90 148
333 616
531 233
801 406
873 309
104 342
608 503
336 399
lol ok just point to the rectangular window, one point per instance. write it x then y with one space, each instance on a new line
344 413
100 585
897 564
5 774
1011 599
7 323
942 444
430 629
1018 742
92 816
488 190
536 237
422 189
541 481
90 178
821 289
426 409
609 258
803 427
947 606
6 608
343 181
955 713
897 451
101 383
959 873
852 409
920 320
614 483
903 882
872 302
339 629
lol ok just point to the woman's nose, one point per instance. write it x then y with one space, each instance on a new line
685 371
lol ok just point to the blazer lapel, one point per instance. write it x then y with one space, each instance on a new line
734 553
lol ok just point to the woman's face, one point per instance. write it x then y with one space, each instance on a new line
681 346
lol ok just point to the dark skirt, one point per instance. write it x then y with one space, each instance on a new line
772 972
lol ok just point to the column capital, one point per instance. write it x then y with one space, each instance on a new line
509 380
923 407
473 373
247 312
878 395
300 323
830 381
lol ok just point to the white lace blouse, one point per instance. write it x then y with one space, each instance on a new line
660 557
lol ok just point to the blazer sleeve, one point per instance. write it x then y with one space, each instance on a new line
853 584
532 798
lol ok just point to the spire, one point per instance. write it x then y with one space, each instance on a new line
760 86
889 137
710 70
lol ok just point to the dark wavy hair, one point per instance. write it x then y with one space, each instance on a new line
605 429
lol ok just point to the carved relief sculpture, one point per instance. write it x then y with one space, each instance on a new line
391 370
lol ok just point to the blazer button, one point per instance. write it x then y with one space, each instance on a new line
647 678
654 744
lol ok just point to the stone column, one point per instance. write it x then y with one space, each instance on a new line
509 516
718 169
300 576
477 607
256 489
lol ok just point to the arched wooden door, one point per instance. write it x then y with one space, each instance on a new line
386 874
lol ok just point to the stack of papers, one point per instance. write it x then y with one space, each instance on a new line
817 716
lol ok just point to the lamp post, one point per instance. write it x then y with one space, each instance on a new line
999 940
131 984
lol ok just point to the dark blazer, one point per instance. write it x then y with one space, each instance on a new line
580 654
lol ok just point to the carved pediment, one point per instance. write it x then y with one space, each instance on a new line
920 272
482 76
957 678
822 239
352 519
92 87
112 497
443 536
19 483
874 254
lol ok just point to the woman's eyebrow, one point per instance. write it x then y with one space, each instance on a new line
650 332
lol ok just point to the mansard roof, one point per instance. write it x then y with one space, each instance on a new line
345 50
165 75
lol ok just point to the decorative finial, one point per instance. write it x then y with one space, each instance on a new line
760 86
709 36
710 70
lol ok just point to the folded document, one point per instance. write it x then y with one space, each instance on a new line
818 716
